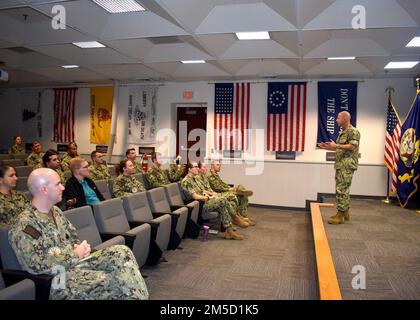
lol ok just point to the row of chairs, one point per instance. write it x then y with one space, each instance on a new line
16 156
145 221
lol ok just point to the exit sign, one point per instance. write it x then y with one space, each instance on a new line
187 94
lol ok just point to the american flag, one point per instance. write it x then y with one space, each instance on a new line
392 142
286 116
64 100
231 116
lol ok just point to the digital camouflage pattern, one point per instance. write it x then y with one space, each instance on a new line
175 172
346 162
124 185
62 176
157 177
348 159
35 160
218 185
65 162
17 150
137 166
99 172
42 244
219 204
11 206
203 182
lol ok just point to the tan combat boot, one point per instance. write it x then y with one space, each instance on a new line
337 218
246 193
232 235
249 221
239 222
346 215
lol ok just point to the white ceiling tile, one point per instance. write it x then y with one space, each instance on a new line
257 49
175 52
339 15
339 68
243 17
348 47
266 68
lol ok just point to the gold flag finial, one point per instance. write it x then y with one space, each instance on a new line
418 84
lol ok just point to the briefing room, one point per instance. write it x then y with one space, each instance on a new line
226 151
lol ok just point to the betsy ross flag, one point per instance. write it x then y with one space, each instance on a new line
64 100
231 116
392 142
286 116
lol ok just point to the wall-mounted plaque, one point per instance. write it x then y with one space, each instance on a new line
232 154
146 150
330 156
285 155
102 149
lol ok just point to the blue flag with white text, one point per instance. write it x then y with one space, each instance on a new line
334 97
408 164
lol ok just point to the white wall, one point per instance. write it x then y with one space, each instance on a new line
282 183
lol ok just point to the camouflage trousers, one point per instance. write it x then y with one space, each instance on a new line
222 206
243 202
112 274
343 179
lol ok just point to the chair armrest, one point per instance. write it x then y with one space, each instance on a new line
129 238
173 208
153 224
42 281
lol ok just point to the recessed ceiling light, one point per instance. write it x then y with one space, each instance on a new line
415 42
341 58
119 6
263 35
401 64
89 44
193 61
70 66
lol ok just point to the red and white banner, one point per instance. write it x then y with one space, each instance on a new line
64 101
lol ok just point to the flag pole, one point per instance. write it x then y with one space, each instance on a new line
388 90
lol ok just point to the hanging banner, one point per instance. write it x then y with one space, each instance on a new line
142 114
31 115
334 97
100 114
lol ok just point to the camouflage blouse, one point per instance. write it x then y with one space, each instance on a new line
99 172
348 159
35 160
11 206
124 185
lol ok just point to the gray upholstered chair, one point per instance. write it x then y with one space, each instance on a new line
110 217
22 290
84 222
23 171
103 187
13 272
22 184
159 204
138 211
173 194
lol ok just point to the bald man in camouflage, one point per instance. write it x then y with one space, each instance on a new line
45 241
346 161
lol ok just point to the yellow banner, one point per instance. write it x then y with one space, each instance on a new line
100 114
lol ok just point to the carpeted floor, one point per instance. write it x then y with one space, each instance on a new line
383 238
275 261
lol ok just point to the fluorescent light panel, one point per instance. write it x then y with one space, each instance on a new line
70 66
89 44
193 61
263 35
119 6
341 58
415 42
401 64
